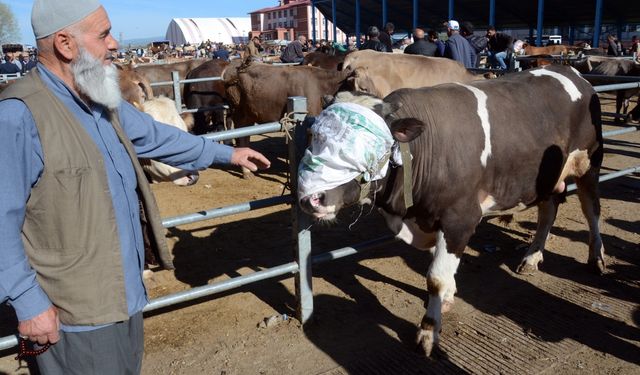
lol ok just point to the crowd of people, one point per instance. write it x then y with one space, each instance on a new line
17 62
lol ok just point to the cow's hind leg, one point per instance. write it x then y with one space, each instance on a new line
547 211
589 196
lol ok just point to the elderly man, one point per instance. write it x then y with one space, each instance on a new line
457 47
77 209
294 51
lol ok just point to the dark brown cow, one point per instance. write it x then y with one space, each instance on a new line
611 67
473 155
258 92
324 60
206 94
162 72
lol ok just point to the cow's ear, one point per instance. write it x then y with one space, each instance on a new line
406 129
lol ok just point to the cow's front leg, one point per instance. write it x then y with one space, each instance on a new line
547 211
441 286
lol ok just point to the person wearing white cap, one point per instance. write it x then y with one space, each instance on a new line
457 47
77 212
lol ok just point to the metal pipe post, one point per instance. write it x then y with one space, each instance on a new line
492 12
540 19
572 34
358 23
384 13
175 77
326 29
301 223
450 9
415 14
597 24
333 19
313 20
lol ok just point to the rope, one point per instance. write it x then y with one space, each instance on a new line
288 123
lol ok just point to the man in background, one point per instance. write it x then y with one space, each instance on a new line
457 47
420 45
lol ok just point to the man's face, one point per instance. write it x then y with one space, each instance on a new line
491 33
96 36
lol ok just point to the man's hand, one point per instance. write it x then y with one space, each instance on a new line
250 159
43 328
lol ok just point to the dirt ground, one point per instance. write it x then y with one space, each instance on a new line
563 319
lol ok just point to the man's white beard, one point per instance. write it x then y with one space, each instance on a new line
97 81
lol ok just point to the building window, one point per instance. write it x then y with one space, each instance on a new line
285 23
285 12
279 24
279 13
268 16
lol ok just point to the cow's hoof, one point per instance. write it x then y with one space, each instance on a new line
527 269
598 266
425 342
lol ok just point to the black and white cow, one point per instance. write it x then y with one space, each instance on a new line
473 155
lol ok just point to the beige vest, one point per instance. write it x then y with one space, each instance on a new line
70 234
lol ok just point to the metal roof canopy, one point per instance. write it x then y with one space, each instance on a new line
508 13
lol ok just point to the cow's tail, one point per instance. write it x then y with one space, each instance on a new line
596 120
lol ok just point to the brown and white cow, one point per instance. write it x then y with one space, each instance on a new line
379 73
164 110
473 155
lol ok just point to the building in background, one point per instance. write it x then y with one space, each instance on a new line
219 30
290 19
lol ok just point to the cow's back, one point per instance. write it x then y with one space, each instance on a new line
379 73
530 121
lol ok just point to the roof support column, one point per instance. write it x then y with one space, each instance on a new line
415 14
619 26
357 23
333 18
384 13
326 29
313 20
451 9
540 19
597 24
492 12
572 34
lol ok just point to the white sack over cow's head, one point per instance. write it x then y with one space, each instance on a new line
351 144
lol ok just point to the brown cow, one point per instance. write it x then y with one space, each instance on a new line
257 93
135 87
379 73
206 94
162 72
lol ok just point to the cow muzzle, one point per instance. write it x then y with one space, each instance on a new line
314 204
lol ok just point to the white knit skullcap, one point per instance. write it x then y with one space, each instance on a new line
50 16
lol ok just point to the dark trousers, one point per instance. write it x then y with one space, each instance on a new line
113 350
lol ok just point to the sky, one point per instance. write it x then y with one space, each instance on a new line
147 18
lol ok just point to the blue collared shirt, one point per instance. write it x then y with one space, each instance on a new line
22 164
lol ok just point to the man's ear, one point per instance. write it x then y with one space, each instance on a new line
65 45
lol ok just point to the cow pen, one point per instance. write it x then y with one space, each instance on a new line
300 266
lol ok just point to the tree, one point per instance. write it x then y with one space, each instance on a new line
9 32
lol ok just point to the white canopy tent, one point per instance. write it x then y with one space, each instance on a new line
197 30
